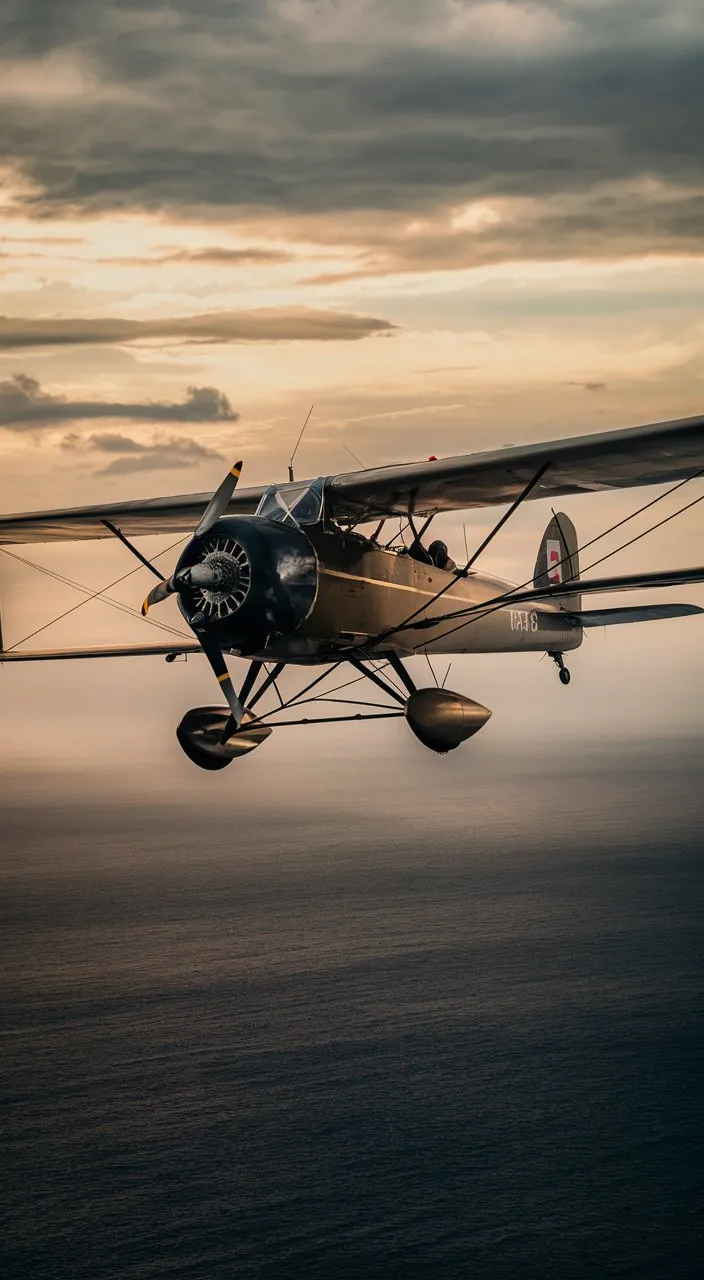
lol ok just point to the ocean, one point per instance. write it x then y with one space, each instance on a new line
397 1024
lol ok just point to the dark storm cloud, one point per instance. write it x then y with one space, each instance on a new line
170 453
269 324
326 108
24 406
597 224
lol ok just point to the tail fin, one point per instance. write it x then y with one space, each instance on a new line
558 561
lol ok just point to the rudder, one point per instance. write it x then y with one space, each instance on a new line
558 560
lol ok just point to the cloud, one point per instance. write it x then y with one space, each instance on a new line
219 255
215 255
617 220
288 109
24 406
167 454
267 324
38 238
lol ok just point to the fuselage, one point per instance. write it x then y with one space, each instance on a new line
364 590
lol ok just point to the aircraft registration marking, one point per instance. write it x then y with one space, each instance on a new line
523 619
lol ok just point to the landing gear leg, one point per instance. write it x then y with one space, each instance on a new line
559 661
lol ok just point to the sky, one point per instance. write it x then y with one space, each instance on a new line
447 225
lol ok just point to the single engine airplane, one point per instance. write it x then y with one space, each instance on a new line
283 577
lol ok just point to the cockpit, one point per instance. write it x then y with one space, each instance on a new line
296 504
303 503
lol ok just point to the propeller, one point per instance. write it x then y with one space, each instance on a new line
200 575
219 501
210 577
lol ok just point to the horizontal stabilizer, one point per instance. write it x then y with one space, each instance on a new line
108 651
626 582
638 613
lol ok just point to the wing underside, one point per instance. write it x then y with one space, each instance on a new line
102 651
657 454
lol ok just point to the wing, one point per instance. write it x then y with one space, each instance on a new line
656 454
179 514
106 651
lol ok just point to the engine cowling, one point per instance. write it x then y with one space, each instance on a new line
248 579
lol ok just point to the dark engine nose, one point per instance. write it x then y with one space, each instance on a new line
247 580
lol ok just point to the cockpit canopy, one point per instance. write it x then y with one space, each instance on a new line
296 504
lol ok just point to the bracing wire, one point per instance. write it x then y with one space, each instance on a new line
69 582
390 631
299 699
499 601
93 595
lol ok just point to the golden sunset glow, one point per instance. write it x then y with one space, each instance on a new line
435 222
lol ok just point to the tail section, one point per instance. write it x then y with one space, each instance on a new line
558 562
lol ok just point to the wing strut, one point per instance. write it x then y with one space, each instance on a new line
135 552
518 594
396 665
384 635
377 680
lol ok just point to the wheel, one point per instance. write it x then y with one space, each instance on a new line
565 676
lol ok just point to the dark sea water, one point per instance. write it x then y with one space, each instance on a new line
396 1031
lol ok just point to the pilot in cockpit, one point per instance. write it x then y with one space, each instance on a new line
436 554
440 556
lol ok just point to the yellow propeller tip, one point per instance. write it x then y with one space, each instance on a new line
145 608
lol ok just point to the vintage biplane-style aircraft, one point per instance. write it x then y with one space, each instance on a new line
282 576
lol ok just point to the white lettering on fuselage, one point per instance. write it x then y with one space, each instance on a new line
523 619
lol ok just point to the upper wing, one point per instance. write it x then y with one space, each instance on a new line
179 514
656 454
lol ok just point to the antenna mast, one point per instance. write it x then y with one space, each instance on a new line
300 437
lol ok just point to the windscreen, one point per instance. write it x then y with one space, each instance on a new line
296 504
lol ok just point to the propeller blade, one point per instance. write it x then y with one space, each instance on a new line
215 657
219 501
215 508
158 593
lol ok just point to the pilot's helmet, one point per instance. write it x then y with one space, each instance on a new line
439 553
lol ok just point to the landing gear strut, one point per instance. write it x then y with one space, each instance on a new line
559 661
